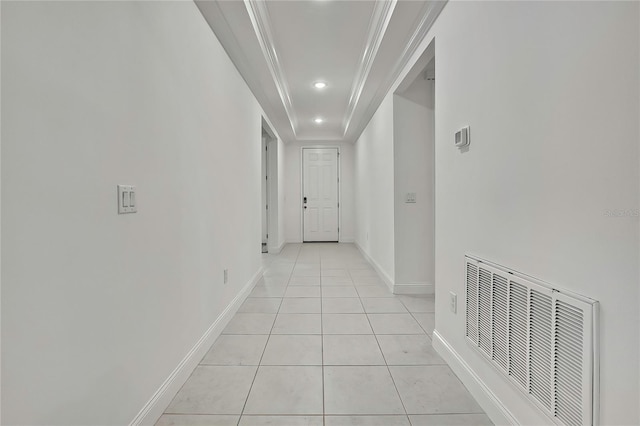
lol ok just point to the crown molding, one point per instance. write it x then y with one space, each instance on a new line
259 15
380 18
431 12
433 9
223 31
216 19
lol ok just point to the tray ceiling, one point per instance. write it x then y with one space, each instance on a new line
358 48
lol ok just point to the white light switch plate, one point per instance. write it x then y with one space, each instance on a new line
410 197
127 200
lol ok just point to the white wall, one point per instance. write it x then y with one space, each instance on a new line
99 308
0 225
374 190
293 189
276 195
413 146
395 155
551 93
281 192
550 90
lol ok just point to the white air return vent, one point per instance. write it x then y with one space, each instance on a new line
542 339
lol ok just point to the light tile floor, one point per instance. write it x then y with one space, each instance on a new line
322 341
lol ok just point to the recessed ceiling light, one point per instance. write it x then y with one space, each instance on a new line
319 84
318 120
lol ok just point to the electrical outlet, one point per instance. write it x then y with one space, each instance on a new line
453 302
226 276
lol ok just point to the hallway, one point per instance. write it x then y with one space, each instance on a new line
487 153
321 335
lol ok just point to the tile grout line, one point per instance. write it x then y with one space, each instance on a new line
416 320
386 363
264 349
214 365
411 313
200 363
321 258
322 345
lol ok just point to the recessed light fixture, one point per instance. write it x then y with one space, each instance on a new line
319 84
318 120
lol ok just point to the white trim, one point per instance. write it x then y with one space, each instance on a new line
414 288
259 15
266 196
153 409
276 249
416 69
380 17
383 274
417 38
430 12
495 409
273 228
224 31
347 241
397 288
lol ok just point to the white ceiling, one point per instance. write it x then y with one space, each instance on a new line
357 47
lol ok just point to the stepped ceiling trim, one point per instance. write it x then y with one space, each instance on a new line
260 20
377 27
431 12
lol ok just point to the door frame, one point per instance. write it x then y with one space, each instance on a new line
273 241
266 199
337 148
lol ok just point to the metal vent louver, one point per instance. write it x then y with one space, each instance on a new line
518 333
484 308
500 324
542 339
472 302
540 330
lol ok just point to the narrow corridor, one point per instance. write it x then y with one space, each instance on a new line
321 340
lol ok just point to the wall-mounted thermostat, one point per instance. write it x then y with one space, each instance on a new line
462 137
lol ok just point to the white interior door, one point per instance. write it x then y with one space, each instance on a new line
320 194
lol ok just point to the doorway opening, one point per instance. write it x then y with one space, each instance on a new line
320 194
268 175
265 192
414 184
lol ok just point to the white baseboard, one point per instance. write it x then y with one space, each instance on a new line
495 409
414 288
399 288
276 249
387 280
154 408
342 240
